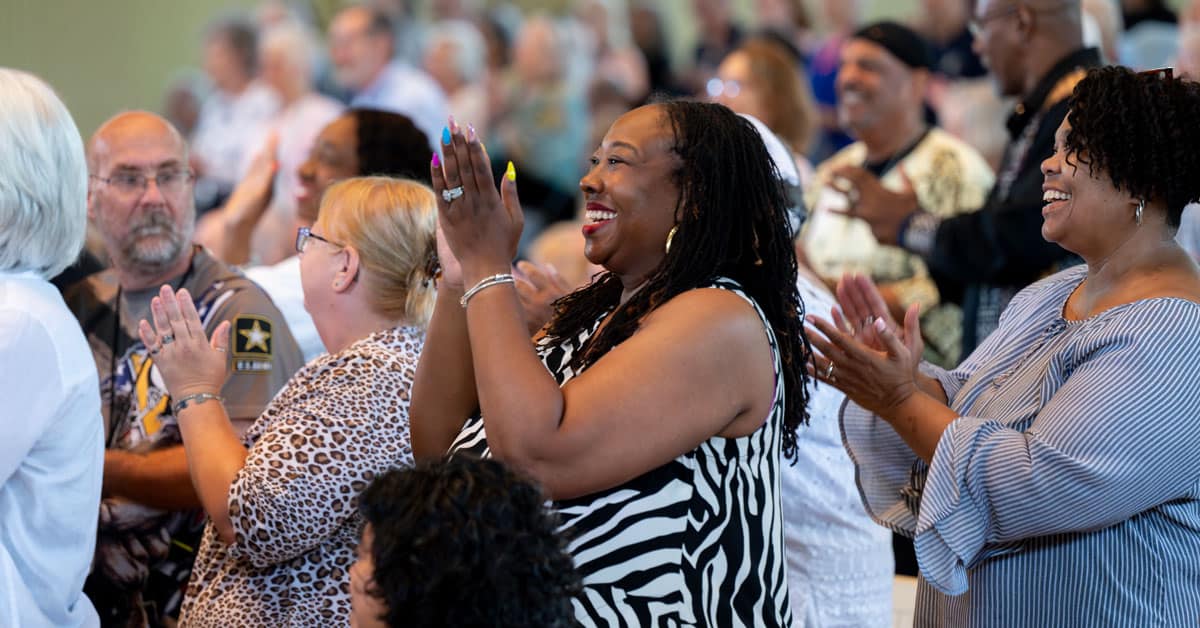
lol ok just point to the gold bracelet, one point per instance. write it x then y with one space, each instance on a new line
193 400
486 282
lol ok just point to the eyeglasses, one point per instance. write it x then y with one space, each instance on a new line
716 87
304 234
975 25
170 182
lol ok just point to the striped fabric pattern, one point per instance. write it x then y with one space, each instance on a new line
1068 491
695 542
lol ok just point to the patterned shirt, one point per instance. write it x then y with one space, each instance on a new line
695 542
949 178
340 421
143 554
1067 493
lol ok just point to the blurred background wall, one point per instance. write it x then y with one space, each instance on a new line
107 55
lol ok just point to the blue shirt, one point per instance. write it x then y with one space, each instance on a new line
1066 493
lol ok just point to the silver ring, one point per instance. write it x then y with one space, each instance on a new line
829 371
221 349
167 339
868 321
452 193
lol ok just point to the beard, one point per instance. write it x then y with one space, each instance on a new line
153 242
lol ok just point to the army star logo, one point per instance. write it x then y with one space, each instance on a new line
256 336
252 337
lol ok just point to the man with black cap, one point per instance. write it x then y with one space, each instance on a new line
1034 50
881 86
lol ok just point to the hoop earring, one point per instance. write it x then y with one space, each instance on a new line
1137 213
670 236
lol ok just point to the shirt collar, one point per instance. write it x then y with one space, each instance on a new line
1029 106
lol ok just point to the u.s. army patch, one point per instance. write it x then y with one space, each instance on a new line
252 344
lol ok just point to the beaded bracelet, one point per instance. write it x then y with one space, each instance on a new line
192 400
486 282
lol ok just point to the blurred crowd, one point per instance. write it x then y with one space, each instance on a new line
540 88
908 163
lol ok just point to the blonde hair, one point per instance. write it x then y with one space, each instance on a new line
391 223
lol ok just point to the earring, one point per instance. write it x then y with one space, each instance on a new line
1137 213
670 236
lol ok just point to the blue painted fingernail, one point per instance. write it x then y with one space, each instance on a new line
446 135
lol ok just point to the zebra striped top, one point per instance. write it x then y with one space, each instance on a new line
1067 493
695 542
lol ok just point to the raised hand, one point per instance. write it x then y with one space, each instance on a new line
860 304
538 287
188 361
879 380
480 224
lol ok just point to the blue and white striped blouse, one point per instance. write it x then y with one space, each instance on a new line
1067 493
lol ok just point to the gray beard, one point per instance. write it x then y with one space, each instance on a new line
153 245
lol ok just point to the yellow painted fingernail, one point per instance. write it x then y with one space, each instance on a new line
511 172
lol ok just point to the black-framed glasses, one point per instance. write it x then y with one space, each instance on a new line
130 183
304 234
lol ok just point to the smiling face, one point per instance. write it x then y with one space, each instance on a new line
1083 212
333 157
874 88
631 196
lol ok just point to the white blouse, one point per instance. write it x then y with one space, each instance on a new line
51 457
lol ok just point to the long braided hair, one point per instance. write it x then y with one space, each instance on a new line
732 222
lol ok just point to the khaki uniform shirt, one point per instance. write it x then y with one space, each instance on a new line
144 555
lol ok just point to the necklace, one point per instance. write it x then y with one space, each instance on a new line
896 156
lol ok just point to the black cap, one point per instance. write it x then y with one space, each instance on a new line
903 42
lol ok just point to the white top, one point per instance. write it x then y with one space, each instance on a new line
1188 235
403 89
228 128
840 566
281 282
51 457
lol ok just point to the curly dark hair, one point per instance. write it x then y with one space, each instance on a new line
467 542
1140 130
732 222
389 144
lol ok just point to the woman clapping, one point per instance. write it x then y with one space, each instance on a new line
656 403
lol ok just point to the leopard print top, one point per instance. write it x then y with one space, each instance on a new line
337 423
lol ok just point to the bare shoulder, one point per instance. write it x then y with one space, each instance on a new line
709 308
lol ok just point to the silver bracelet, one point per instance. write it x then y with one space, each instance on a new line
486 282
192 400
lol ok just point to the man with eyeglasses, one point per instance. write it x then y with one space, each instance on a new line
140 201
1034 51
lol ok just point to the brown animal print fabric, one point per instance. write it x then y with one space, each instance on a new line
341 420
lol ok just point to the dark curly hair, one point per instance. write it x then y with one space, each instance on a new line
732 222
467 542
1140 130
389 144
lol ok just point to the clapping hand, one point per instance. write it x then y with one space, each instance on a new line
863 353
480 225
188 361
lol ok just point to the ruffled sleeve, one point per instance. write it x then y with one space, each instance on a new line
1116 438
